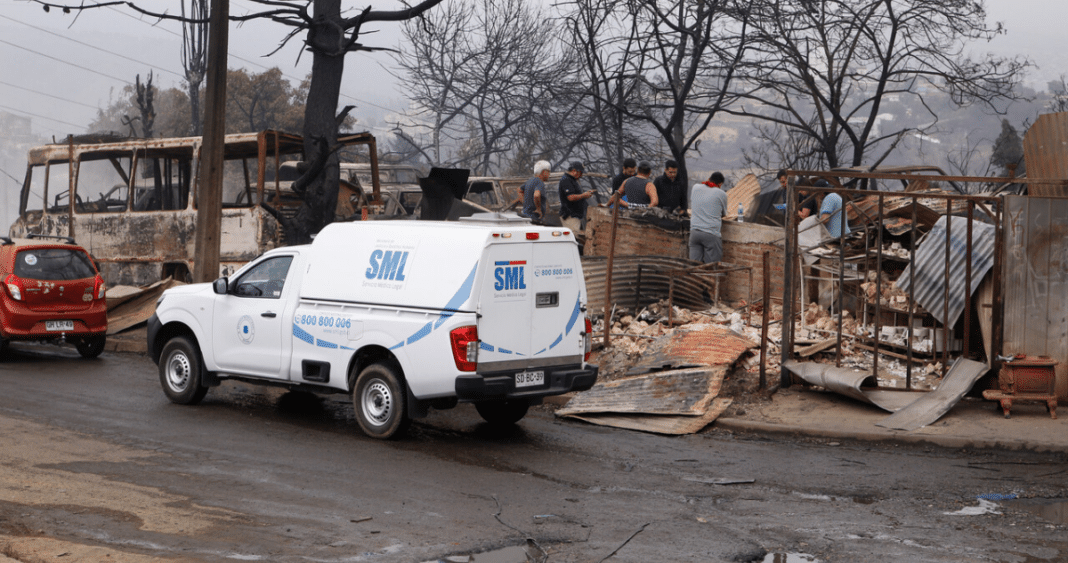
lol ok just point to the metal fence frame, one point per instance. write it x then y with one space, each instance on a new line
991 206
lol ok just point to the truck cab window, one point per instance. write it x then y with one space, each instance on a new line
265 280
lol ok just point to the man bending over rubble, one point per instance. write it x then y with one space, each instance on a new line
708 206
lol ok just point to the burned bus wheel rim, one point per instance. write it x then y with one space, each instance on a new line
377 402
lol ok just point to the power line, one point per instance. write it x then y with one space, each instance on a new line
244 60
9 108
102 50
47 94
64 62
8 174
127 82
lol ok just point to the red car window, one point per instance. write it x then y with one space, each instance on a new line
53 264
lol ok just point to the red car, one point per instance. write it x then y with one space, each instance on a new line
51 291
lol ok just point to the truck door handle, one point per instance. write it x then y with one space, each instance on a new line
268 314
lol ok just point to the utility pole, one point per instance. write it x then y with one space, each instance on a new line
209 198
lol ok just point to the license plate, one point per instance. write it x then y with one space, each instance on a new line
59 325
529 378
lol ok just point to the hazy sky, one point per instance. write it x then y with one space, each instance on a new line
59 68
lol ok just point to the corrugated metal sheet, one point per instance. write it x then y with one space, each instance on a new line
929 265
867 210
708 346
1046 153
745 193
689 289
684 391
931 406
672 425
1036 281
859 385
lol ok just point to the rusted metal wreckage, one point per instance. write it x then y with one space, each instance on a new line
134 200
996 261
917 298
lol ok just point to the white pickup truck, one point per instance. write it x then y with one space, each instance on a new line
403 316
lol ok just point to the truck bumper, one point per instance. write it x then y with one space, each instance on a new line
501 385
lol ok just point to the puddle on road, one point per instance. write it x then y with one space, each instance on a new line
514 554
1050 510
789 558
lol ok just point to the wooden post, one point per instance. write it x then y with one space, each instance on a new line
614 201
209 198
787 351
764 321
71 173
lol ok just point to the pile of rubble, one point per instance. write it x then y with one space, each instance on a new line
632 334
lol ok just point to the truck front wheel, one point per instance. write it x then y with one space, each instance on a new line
381 406
179 372
502 412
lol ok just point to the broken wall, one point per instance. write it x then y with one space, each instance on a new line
744 244
633 238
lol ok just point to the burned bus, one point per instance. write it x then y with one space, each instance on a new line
134 202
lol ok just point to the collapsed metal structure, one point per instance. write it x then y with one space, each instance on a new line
966 238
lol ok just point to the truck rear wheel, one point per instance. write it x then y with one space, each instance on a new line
380 402
502 412
180 366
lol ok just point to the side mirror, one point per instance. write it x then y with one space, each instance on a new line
220 285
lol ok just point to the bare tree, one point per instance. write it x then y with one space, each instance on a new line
480 73
195 56
1058 90
782 147
146 94
666 65
433 58
329 37
823 69
963 158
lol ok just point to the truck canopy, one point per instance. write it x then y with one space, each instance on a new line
407 264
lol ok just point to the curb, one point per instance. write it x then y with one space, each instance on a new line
125 346
959 442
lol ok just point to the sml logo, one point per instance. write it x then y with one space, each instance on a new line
509 275
387 265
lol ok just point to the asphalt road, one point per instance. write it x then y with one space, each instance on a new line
97 465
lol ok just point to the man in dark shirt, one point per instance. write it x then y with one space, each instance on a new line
630 168
573 199
669 188
806 206
639 190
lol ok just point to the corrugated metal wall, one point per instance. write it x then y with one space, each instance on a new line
690 291
1046 153
929 266
1036 281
